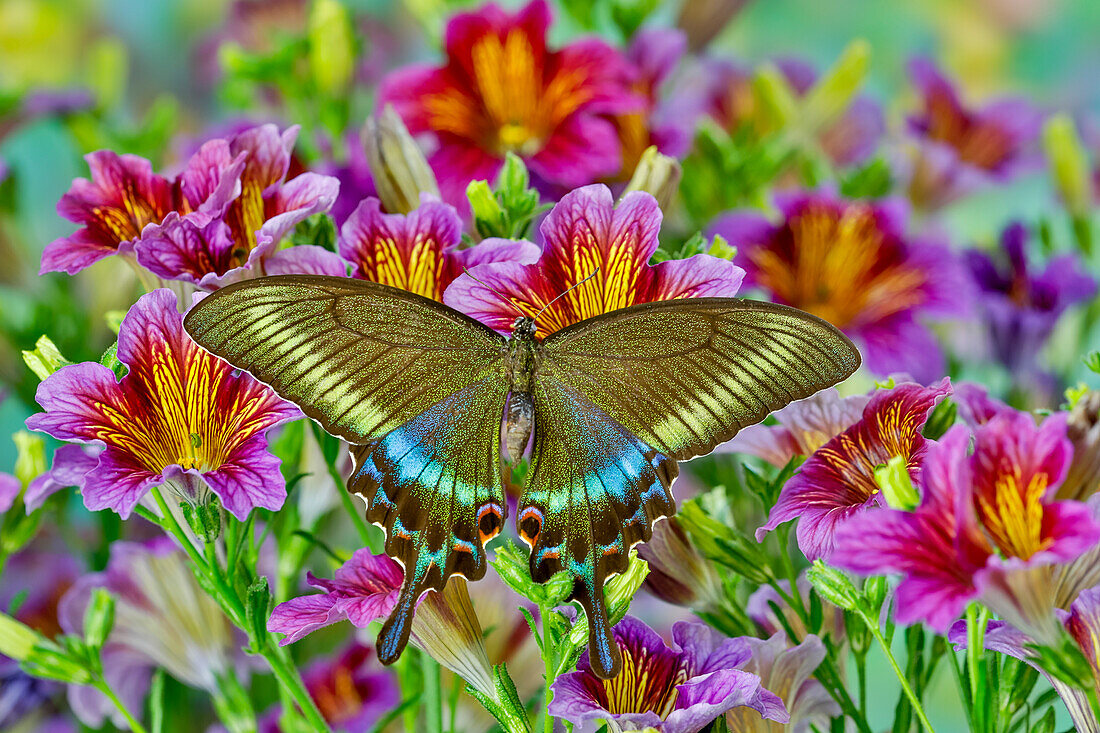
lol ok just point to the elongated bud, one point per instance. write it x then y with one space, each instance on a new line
833 585
30 460
775 100
447 628
400 170
99 618
16 638
703 20
829 97
331 47
656 174
1068 163
1083 429
45 359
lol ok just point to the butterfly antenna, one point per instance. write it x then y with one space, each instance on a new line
567 292
490 288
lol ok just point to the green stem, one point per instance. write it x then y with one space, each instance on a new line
231 604
357 517
433 694
549 668
913 699
976 618
135 726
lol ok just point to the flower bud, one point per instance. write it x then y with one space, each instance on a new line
45 359
30 461
830 97
678 574
1083 429
896 486
489 218
400 171
331 47
656 174
1068 163
16 638
99 618
833 585
703 20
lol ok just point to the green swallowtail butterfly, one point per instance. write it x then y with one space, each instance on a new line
420 391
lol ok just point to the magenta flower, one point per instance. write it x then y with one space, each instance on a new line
680 689
982 519
960 149
162 619
837 482
364 589
124 197
787 672
243 240
180 416
804 426
418 252
851 263
585 230
502 90
1020 306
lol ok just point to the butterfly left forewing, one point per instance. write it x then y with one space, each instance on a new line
594 491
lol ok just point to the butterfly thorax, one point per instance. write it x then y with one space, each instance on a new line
523 357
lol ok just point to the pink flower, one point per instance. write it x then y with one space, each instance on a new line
586 231
837 482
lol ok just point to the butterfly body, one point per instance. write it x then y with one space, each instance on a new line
420 391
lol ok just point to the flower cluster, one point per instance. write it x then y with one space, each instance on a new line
166 514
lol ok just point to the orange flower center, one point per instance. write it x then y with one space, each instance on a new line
1012 514
339 699
844 269
179 415
512 107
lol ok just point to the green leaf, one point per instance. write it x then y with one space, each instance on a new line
45 359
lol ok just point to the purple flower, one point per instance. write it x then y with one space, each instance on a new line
1021 306
851 263
501 89
959 149
585 230
242 240
180 416
672 690
986 521
419 251
10 487
804 426
364 589
837 482
787 672
162 619
71 463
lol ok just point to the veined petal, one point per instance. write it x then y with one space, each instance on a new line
303 615
838 480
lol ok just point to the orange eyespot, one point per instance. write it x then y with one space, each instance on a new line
489 521
530 524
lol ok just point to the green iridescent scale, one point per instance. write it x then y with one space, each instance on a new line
419 390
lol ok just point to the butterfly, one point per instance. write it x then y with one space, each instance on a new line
420 391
